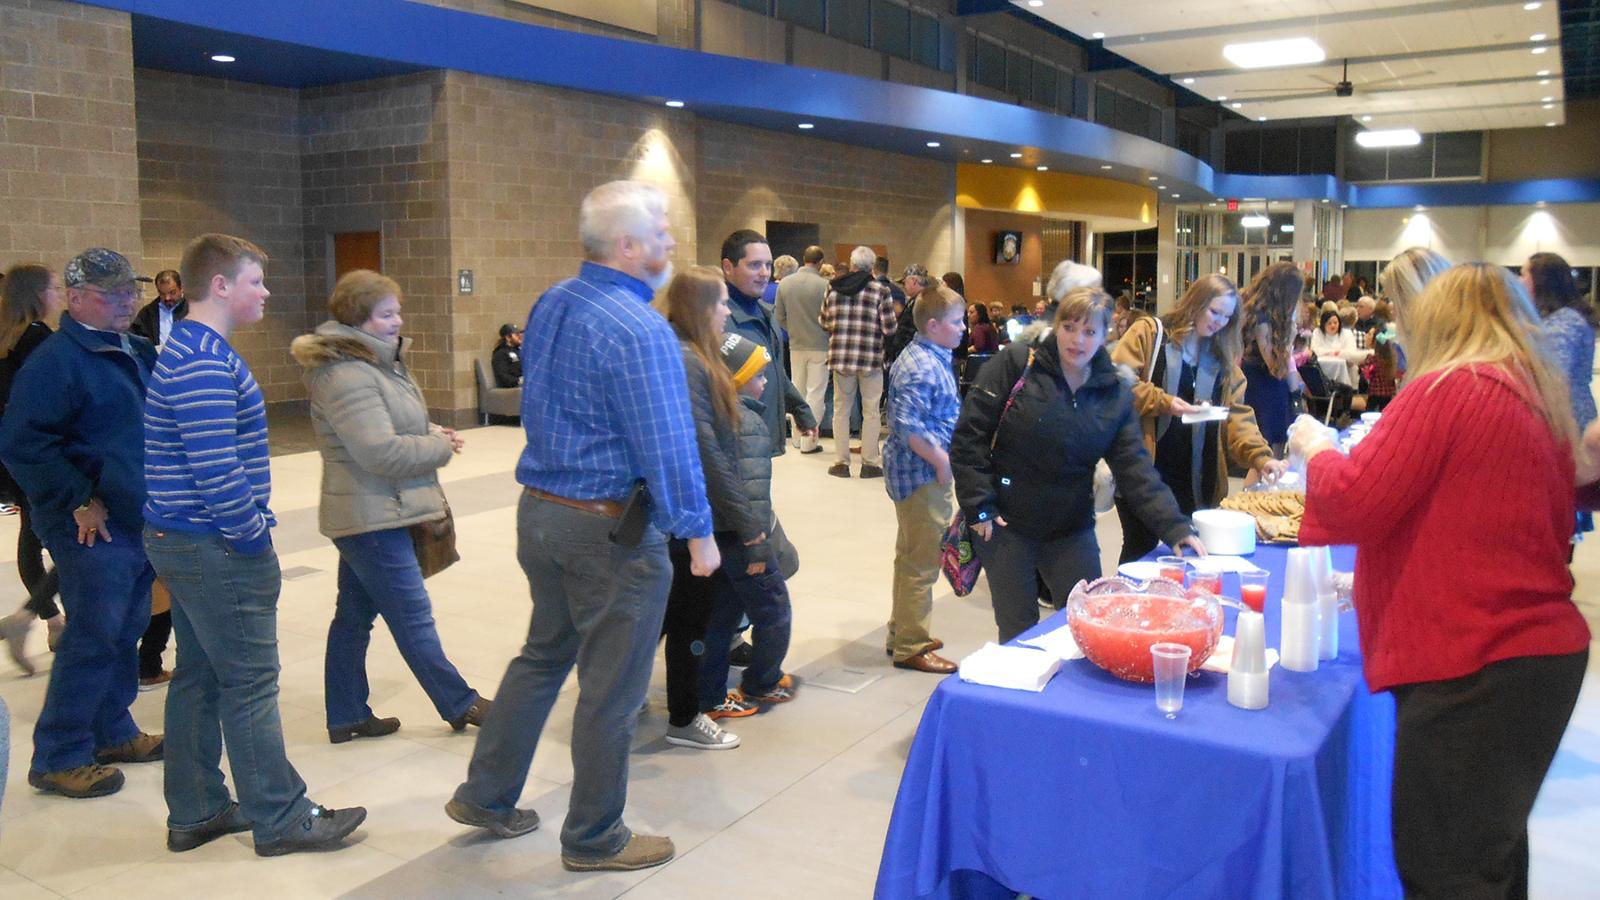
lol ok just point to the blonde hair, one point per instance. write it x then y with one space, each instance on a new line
687 304
210 255
1477 313
935 303
784 266
357 294
1226 344
1083 303
1407 275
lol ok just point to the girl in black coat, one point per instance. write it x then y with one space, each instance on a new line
1038 419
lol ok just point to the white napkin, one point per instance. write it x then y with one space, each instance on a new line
1221 659
1216 564
1058 643
1140 569
1018 668
1206 413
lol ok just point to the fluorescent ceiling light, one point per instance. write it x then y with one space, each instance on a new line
1265 54
1546 99
1543 82
1161 187
1261 118
675 104
1549 106
1255 221
1549 124
1399 137
222 57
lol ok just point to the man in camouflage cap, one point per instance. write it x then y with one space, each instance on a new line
73 436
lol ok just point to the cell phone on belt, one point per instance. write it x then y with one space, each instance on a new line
635 515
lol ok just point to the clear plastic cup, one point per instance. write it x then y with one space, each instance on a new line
1172 669
1210 582
1172 567
1253 589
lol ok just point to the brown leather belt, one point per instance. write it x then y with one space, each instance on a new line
608 508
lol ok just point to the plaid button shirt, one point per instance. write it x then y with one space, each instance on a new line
856 324
923 401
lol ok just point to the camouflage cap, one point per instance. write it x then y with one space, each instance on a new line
917 269
101 268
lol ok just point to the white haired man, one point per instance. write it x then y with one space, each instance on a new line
857 313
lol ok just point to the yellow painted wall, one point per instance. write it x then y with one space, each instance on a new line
1057 193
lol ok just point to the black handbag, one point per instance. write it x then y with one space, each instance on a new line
435 543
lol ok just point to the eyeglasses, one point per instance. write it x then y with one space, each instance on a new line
125 295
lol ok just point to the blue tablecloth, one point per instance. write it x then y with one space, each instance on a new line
1087 790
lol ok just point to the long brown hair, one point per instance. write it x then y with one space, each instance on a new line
1274 298
688 303
1225 345
21 302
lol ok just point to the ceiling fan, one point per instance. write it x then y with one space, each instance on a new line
1343 88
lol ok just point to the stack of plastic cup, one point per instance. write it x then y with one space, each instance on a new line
1327 603
1297 637
1247 673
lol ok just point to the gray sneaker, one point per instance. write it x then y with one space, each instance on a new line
320 829
515 823
641 852
702 734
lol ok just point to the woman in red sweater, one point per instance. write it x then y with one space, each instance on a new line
1460 504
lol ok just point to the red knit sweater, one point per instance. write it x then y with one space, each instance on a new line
1460 505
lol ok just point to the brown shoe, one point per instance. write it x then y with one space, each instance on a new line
927 661
155 681
80 783
475 715
641 852
839 470
936 645
142 749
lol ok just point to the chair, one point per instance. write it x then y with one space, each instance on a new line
969 370
495 401
1323 399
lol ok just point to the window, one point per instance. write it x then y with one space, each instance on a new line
988 64
760 6
1448 155
812 14
925 40
1019 75
891 29
848 21
1044 84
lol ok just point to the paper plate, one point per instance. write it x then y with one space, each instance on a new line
1142 569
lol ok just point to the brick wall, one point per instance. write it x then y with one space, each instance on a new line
218 155
521 159
674 19
857 196
68 172
372 159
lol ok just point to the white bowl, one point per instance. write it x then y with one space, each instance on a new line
1226 531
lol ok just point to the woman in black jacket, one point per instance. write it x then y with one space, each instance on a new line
31 296
1038 419
696 303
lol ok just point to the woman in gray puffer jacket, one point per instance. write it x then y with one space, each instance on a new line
380 475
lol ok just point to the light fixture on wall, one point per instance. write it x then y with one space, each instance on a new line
675 104
1395 137
1255 221
222 58
1272 54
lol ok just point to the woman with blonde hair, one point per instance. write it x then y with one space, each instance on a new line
1271 304
380 475
31 297
1482 649
1183 360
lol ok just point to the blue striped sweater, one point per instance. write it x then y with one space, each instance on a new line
205 442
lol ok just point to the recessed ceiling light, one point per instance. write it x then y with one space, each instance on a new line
1106 166
1042 168
1222 98
1366 118
222 57
1264 54
1016 156
1098 35
1543 82
1036 3
806 125
675 104
1188 81
1549 106
1537 37
1546 99
1539 50
1161 187
986 160
1399 137
1542 72
1155 177
1174 196
1530 7
1324 199
1238 106
1261 118
933 143
1549 124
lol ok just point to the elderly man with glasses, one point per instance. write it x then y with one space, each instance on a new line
73 436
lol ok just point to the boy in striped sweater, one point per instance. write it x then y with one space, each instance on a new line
207 534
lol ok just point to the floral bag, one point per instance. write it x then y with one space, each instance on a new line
957 556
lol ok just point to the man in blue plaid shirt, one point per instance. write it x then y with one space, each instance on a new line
605 407
923 406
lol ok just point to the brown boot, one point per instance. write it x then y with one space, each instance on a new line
641 852
475 715
142 749
80 783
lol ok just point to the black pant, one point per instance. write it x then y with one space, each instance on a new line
154 643
1470 755
42 584
688 610
1014 564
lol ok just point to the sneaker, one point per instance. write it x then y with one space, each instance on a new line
740 656
839 470
641 852
475 714
702 734
142 749
372 727
229 821
8 509
782 692
321 829
868 470
14 631
733 706
155 681
515 823
83 782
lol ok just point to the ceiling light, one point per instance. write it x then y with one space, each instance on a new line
1264 54
1155 177
1549 106
1188 81
986 160
1542 72
1399 137
1287 228
1324 199
933 143
1222 98
1538 37
1549 124
1530 7
1161 187
1261 118
1546 99
222 57
1539 50
1255 221
1016 156
1042 168
1098 35
1107 166
806 126
1035 3
1366 118
675 104
1174 196
1238 106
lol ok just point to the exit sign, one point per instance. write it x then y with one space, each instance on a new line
1233 206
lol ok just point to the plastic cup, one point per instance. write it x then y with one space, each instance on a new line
1253 589
1172 669
1210 582
1172 567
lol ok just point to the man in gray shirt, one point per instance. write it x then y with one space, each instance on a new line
799 301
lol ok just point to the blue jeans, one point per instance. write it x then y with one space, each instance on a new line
105 590
225 685
597 605
378 575
764 599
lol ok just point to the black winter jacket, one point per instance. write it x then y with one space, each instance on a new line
1039 476
721 457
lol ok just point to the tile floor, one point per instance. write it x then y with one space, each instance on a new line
798 811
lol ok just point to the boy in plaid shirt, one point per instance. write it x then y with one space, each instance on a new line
923 405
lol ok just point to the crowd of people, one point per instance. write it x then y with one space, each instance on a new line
653 404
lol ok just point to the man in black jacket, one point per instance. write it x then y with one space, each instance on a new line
154 321
507 359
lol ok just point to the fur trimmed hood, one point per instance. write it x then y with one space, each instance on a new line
334 342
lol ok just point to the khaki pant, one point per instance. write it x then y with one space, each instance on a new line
845 388
923 518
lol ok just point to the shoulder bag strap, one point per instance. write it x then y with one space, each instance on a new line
1012 398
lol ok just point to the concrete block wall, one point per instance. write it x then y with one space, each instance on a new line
69 176
521 159
856 195
224 156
